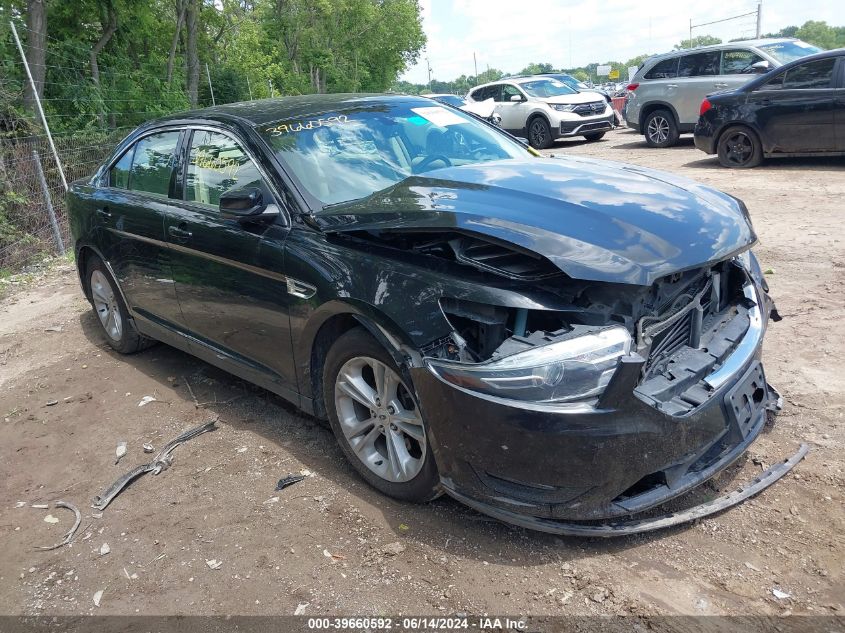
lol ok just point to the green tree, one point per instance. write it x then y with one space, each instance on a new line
698 40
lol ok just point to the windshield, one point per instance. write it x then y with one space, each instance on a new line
788 51
452 100
547 88
353 152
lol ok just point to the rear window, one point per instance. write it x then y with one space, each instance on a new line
699 64
666 69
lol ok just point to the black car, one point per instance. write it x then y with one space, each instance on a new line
548 340
795 110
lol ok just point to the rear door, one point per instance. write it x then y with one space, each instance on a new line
660 84
795 109
697 74
229 271
132 201
839 106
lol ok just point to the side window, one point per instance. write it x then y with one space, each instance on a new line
507 92
808 76
216 165
482 94
119 173
667 69
152 164
739 62
699 64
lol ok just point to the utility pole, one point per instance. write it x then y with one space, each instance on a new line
690 33
210 89
428 65
759 19
475 63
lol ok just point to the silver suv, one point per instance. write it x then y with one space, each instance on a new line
544 109
665 94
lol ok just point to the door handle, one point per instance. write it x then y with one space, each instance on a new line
720 85
104 212
671 85
179 232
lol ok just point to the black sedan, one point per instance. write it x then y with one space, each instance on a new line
795 110
548 340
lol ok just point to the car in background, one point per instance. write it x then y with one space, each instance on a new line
572 82
543 109
665 93
548 340
484 110
795 110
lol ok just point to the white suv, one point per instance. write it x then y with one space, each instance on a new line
543 109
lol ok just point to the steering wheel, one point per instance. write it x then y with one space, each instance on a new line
433 159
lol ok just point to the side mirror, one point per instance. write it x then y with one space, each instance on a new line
242 202
761 67
517 98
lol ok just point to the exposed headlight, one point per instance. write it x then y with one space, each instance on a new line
573 369
561 107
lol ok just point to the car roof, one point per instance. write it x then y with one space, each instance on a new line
264 111
741 43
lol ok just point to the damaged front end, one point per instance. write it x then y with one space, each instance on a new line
626 398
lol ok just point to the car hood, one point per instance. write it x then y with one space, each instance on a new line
595 220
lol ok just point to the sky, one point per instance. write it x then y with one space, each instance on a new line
510 34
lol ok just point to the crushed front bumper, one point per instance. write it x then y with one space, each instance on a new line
546 465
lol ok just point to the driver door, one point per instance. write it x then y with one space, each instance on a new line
514 113
229 272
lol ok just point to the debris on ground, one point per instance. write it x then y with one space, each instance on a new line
780 595
148 448
161 462
393 549
39 506
71 532
104 549
300 608
147 400
50 519
284 482
214 563
97 597
51 403
333 557
119 452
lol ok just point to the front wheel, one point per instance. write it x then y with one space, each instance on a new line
661 129
595 136
376 419
539 133
739 148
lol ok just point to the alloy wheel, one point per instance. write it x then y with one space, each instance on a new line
538 133
658 129
379 419
739 148
105 303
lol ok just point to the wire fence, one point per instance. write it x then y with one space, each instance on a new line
32 186
87 121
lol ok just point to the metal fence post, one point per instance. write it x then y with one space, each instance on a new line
248 87
57 234
210 89
38 105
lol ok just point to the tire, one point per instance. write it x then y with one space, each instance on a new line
595 136
539 133
111 311
660 129
739 148
349 376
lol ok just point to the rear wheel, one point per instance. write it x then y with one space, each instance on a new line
661 129
376 419
111 311
539 133
595 136
739 148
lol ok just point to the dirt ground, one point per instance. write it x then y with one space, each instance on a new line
334 545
